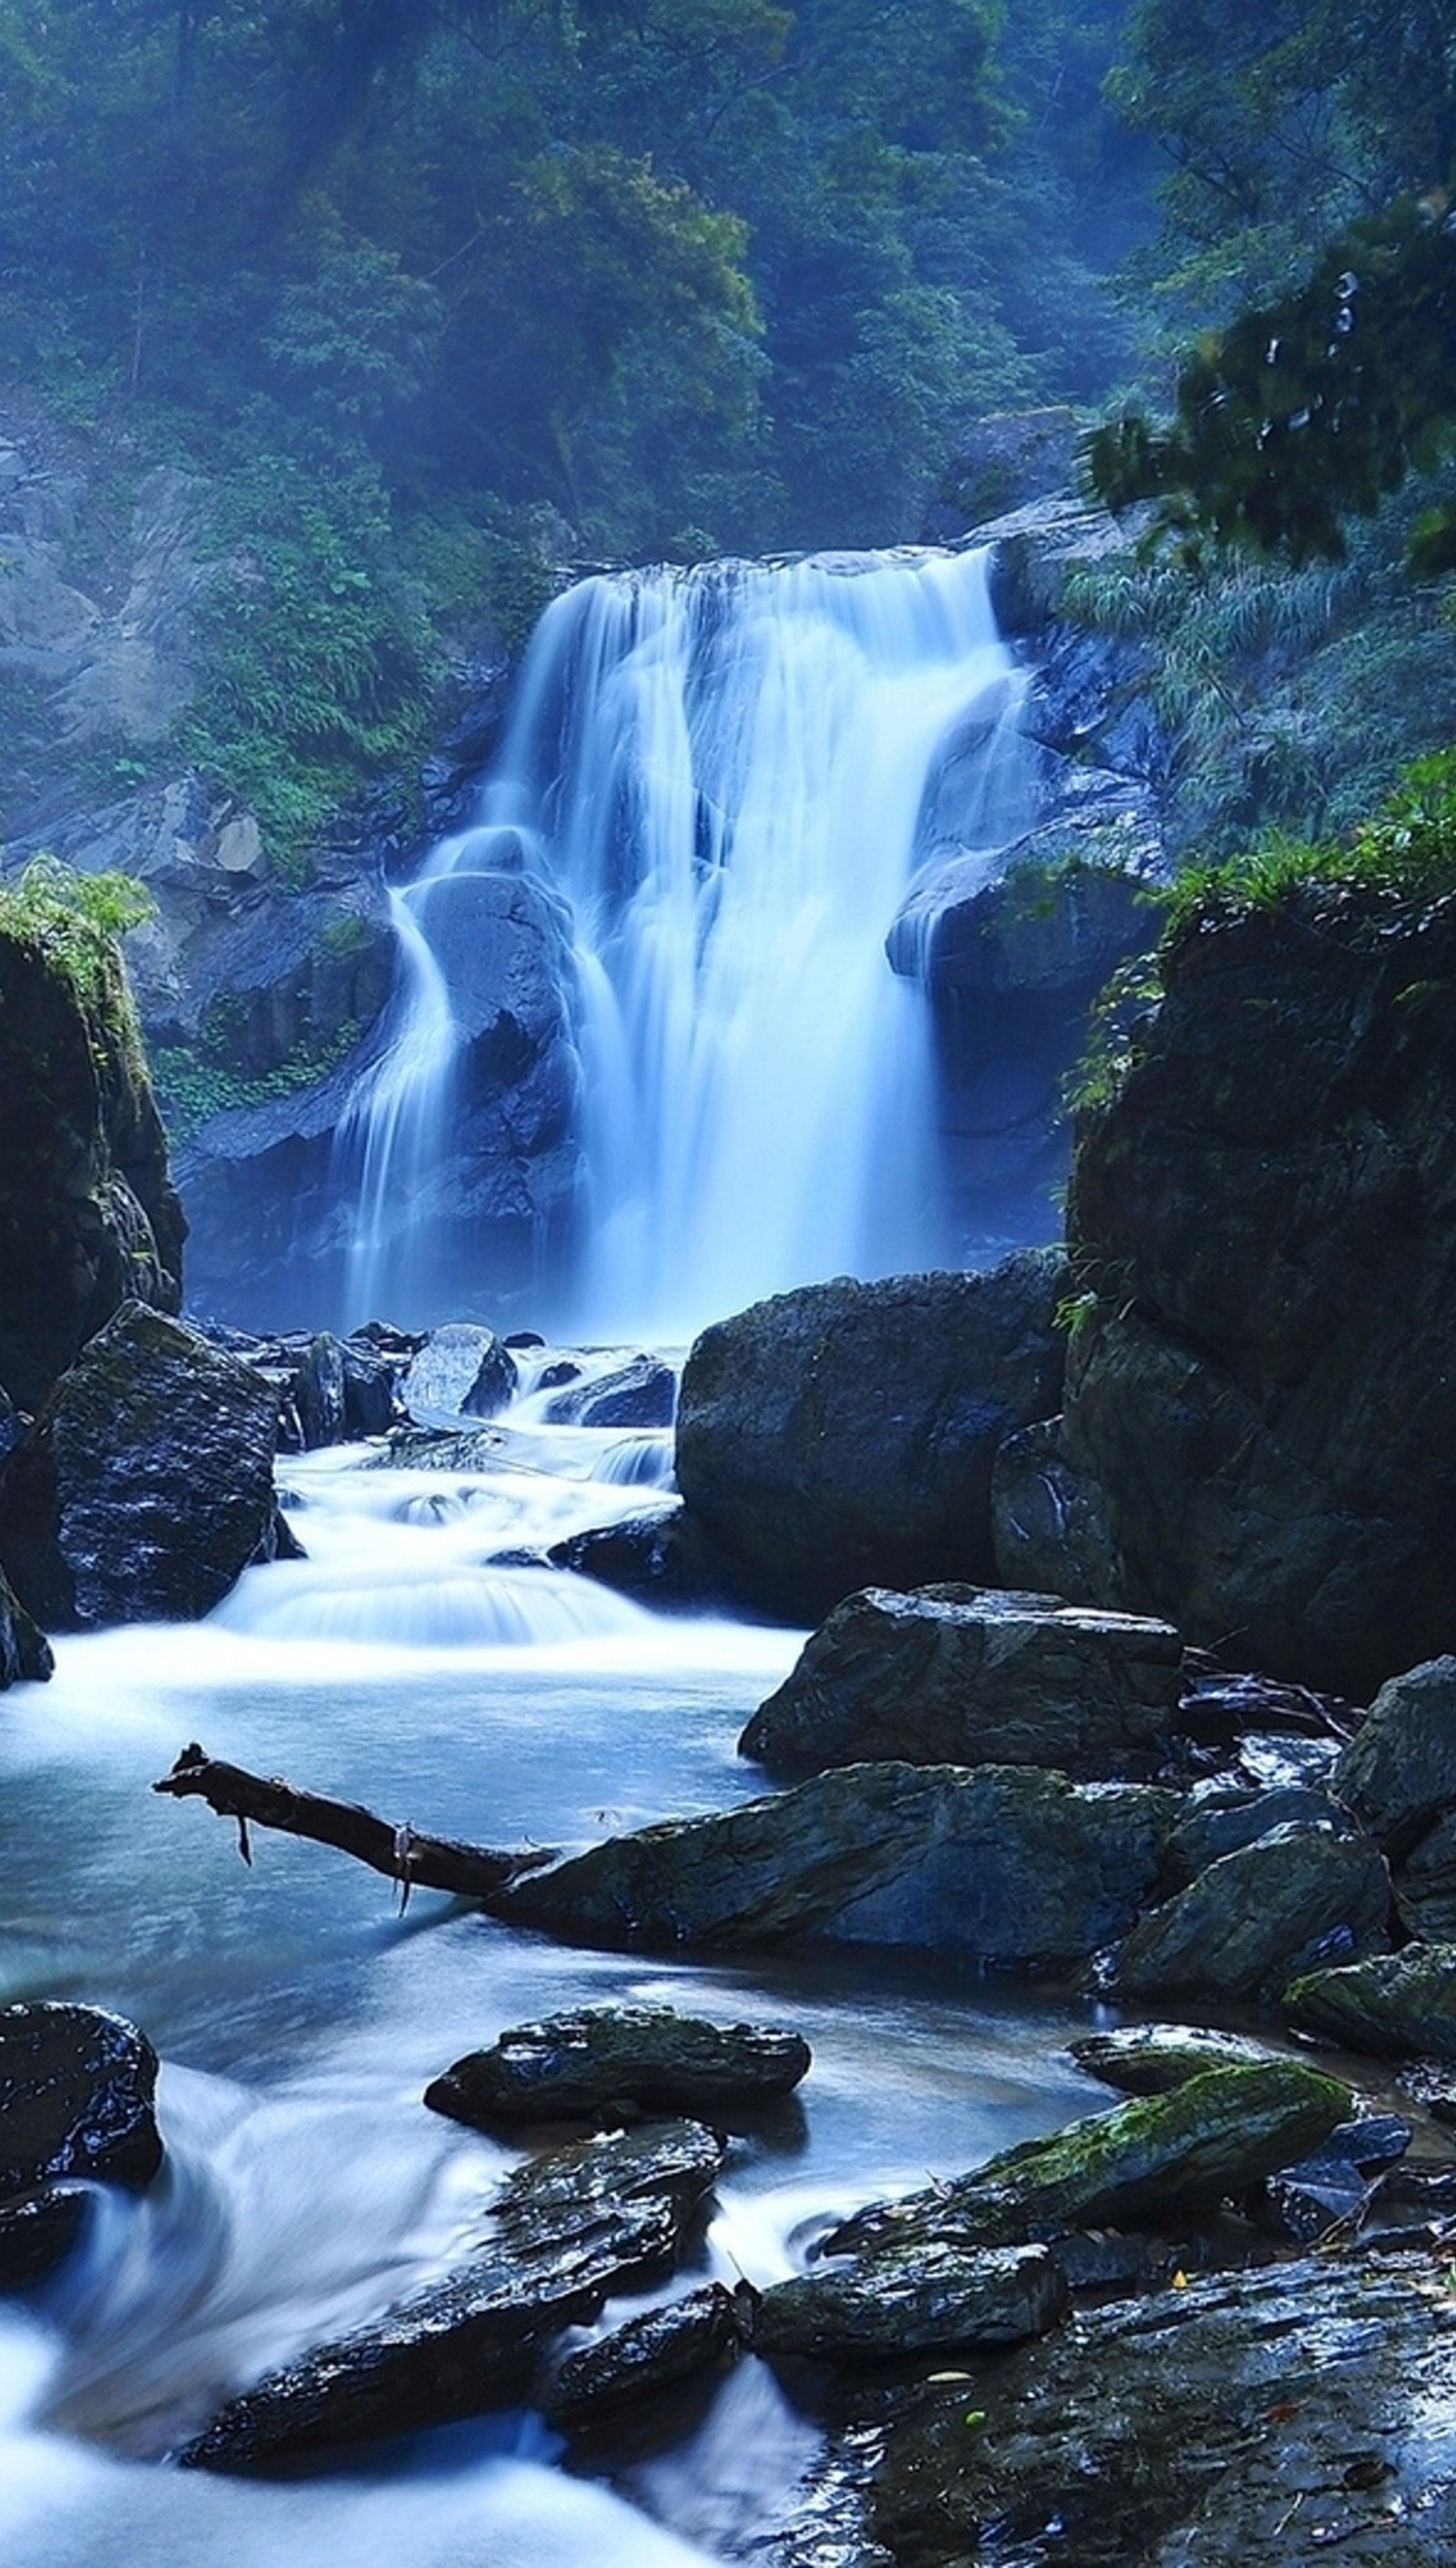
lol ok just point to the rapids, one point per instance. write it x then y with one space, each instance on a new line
299 2016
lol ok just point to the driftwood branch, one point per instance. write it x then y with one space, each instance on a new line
403 1854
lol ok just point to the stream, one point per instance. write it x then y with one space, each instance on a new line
299 2016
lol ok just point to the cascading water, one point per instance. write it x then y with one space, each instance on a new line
731 774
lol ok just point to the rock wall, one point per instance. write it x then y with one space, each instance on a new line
1263 1216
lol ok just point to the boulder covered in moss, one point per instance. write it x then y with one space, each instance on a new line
1399 2005
1259 1914
145 1487
88 1217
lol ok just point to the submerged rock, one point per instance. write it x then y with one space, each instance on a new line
145 1486
1213 2136
972 1675
1241 2418
844 1435
1257 1914
1394 2004
76 2097
928 2299
1008 1864
594 2218
649 2356
638 2059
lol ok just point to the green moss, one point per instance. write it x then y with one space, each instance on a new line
75 920
1406 851
192 1085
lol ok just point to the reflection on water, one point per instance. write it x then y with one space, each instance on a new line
300 2016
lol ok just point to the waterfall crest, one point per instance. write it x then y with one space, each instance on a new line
730 775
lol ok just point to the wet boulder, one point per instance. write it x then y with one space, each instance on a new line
570 2228
461 1371
1399 1772
649 2357
1210 2138
24 1648
144 1486
844 1435
76 2097
343 1391
1007 1863
967 1676
1153 2059
1425 1884
1397 2005
640 1393
621 2059
1211 2424
1221 1816
1334 2188
1048 1521
921 2299
660 1555
1259 1914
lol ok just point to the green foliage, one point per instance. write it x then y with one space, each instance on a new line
1115 1024
193 1084
1405 852
74 919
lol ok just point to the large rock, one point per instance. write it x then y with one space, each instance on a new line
1153 2059
632 2059
934 2299
88 1214
844 1435
1263 1212
648 2357
76 2097
1260 1914
1398 1773
461 1371
1398 2005
1212 2137
1048 1522
144 1486
24 1648
963 1675
1253 2416
596 2217
1005 1863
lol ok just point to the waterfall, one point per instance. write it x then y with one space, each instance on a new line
731 774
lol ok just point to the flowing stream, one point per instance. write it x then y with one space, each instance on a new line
299 2016
731 775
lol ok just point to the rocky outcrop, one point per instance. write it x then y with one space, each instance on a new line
144 1486
597 2217
621 2060
24 1648
1398 1773
76 2097
1258 1915
1262 1215
926 2299
844 1435
963 1675
1005 1863
88 1217
649 2357
1214 2135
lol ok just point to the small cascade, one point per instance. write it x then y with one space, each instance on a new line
733 775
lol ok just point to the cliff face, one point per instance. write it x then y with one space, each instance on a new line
1262 1382
88 1214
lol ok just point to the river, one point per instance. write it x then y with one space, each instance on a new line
299 2016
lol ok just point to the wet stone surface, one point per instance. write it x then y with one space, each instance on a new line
637 2059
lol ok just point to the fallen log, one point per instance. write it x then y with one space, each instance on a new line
404 1855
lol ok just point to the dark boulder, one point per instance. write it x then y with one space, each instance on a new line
144 1486
1007 1863
76 2097
1153 2059
844 1435
935 2298
1048 1521
1211 2138
662 1557
595 2218
88 1217
1398 1773
38 2231
1260 1914
963 1675
1264 1210
641 1393
621 2059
